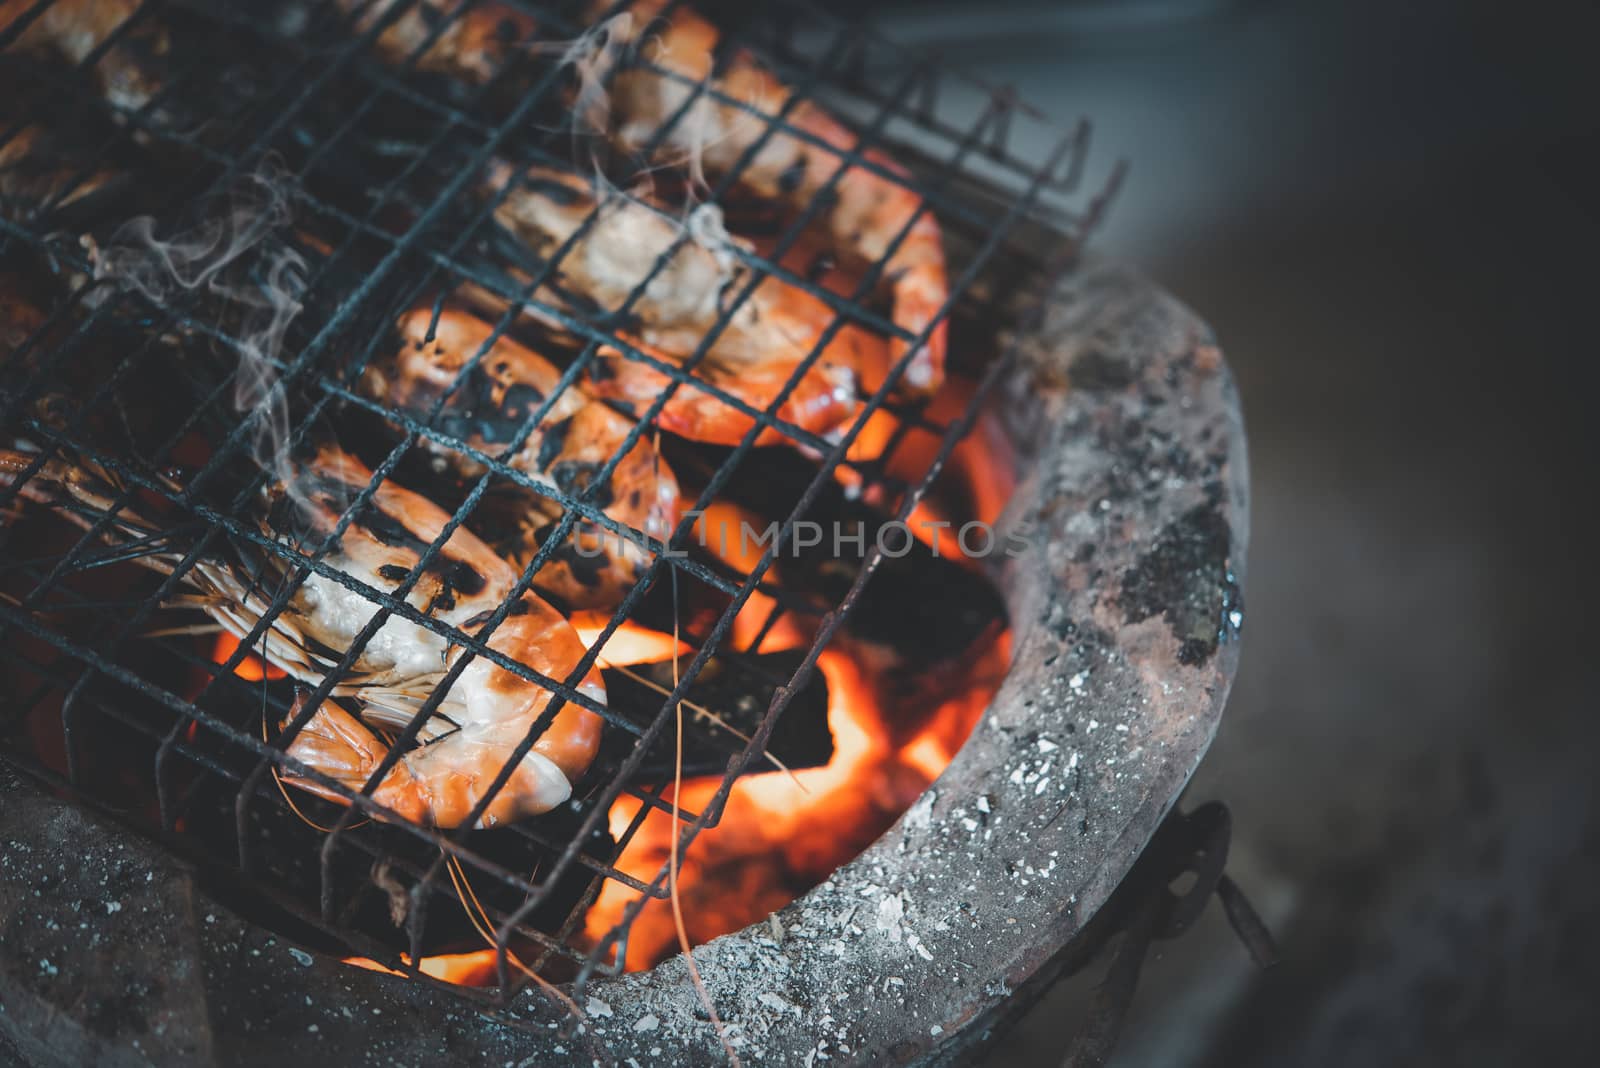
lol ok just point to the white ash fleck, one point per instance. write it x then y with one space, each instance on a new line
595 1007
301 957
891 913
1081 524
112 907
983 803
647 1022
777 1002
1047 746
1094 725
919 817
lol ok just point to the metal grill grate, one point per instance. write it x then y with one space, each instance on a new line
982 191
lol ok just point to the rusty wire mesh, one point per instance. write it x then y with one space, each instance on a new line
300 87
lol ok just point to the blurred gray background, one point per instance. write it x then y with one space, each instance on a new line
1388 212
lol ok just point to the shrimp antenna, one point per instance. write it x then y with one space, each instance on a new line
479 917
672 856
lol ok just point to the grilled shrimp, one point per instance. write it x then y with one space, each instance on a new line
72 29
474 45
868 210
576 438
767 338
487 712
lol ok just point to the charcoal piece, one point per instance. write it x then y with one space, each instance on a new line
924 607
738 690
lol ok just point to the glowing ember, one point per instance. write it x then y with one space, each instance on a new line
895 728
727 531
895 724
779 834
252 668
464 969
629 643
980 463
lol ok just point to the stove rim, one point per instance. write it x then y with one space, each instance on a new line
1143 315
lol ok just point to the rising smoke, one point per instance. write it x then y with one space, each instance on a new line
235 255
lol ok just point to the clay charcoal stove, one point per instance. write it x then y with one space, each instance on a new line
418 626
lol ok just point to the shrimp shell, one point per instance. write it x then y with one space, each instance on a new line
577 437
474 45
72 29
769 336
487 711
868 211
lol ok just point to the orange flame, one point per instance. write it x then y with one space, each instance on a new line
895 727
778 836
724 529
979 465
252 668
629 643
464 969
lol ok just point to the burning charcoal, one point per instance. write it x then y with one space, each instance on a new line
925 607
737 690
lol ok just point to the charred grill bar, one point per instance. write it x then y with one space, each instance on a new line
210 796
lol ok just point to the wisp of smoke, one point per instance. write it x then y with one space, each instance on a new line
706 123
592 55
707 228
233 255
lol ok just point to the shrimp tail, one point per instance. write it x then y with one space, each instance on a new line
431 785
336 744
